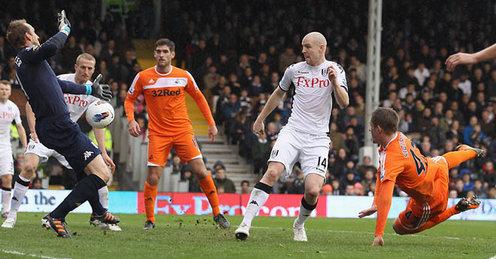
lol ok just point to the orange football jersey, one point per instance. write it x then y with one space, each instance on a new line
401 162
166 101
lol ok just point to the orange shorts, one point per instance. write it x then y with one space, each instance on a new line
159 148
417 213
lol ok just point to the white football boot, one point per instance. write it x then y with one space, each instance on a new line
10 221
299 232
242 232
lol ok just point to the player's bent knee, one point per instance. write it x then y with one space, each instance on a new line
98 167
271 176
6 180
152 179
313 191
28 171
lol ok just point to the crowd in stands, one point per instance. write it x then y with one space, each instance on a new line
238 53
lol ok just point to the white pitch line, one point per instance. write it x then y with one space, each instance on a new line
13 252
494 257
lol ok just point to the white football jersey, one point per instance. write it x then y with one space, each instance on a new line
312 102
76 103
8 113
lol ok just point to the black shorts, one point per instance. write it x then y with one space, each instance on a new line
65 137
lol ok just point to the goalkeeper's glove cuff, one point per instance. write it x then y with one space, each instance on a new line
66 29
89 88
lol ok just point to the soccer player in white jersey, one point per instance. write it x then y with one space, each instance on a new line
37 153
304 139
8 112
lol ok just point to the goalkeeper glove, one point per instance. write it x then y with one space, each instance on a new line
64 24
101 91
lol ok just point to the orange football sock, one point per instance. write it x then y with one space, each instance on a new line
150 195
455 158
438 219
208 187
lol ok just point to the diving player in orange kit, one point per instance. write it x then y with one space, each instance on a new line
164 87
424 179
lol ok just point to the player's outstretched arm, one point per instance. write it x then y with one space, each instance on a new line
367 212
71 87
373 208
49 48
22 135
202 103
275 98
31 122
384 197
20 128
134 91
460 58
193 90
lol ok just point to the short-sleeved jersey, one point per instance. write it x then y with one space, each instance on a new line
401 162
8 112
76 103
166 100
312 103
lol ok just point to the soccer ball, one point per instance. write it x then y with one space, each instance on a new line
100 114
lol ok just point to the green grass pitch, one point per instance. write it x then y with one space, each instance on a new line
198 237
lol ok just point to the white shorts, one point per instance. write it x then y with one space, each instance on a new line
44 153
311 150
6 161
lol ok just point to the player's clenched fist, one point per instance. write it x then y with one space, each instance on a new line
134 128
212 132
333 75
258 127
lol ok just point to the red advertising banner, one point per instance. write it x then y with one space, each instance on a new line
285 205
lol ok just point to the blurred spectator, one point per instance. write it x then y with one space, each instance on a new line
245 187
239 64
36 183
297 183
327 189
222 181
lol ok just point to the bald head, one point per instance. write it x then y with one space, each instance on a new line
316 38
314 46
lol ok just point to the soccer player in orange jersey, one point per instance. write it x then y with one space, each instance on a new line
424 179
164 87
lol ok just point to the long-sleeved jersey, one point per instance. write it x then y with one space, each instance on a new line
43 89
166 100
401 163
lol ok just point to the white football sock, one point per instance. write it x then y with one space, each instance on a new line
103 196
305 211
19 193
6 200
257 200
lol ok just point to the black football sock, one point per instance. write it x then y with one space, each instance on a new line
85 190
